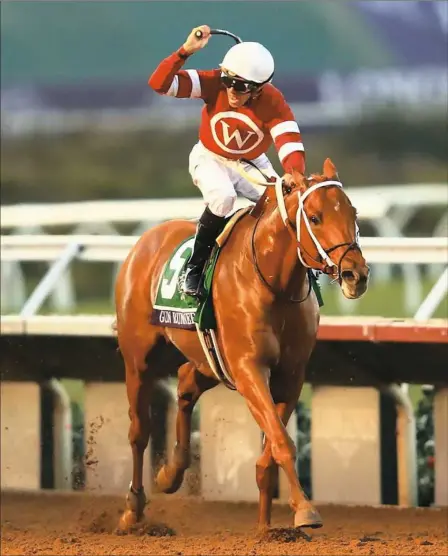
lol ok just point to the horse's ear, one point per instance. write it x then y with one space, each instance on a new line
299 178
330 171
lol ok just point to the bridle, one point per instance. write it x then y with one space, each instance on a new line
324 263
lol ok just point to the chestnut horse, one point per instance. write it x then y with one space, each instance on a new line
267 320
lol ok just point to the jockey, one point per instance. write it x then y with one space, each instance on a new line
243 114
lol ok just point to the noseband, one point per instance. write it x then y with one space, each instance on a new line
328 269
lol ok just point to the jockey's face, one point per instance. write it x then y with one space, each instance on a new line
238 90
236 99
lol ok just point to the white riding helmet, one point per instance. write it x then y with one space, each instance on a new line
251 61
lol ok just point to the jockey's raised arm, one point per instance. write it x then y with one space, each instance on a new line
242 116
287 138
169 79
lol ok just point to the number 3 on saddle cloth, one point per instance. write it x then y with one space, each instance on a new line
175 309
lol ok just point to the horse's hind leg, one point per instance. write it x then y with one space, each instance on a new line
139 384
192 384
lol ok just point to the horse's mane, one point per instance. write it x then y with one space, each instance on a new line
316 178
260 206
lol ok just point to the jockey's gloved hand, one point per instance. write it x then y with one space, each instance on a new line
193 44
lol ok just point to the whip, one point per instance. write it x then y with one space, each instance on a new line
237 39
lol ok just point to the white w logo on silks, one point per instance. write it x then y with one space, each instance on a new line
236 134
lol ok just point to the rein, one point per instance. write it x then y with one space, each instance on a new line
263 279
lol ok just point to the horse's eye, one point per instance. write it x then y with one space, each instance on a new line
314 220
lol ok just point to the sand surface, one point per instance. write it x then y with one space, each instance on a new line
78 523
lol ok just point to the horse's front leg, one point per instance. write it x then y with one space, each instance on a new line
266 470
252 383
192 384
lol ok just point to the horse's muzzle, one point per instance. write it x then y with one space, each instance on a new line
354 281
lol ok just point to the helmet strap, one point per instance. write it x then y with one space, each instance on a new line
257 92
269 79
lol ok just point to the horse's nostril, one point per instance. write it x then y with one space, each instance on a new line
349 275
363 278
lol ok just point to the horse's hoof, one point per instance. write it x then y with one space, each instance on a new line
135 504
308 517
263 529
127 520
169 479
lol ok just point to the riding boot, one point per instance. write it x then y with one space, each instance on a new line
207 230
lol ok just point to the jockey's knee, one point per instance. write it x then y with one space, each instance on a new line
222 205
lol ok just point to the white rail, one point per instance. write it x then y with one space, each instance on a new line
114 248
387 209
372 202
60 251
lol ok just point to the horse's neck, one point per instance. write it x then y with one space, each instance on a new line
277 255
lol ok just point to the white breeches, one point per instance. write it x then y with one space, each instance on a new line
220 184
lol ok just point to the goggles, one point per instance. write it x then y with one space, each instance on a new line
238 84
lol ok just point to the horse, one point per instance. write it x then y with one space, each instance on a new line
266 334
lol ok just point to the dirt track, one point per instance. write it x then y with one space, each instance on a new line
84 524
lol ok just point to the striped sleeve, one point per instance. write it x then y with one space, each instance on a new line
287 138
170 80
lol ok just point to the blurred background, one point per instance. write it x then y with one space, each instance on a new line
367 81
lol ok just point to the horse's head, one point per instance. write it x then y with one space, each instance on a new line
326 227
